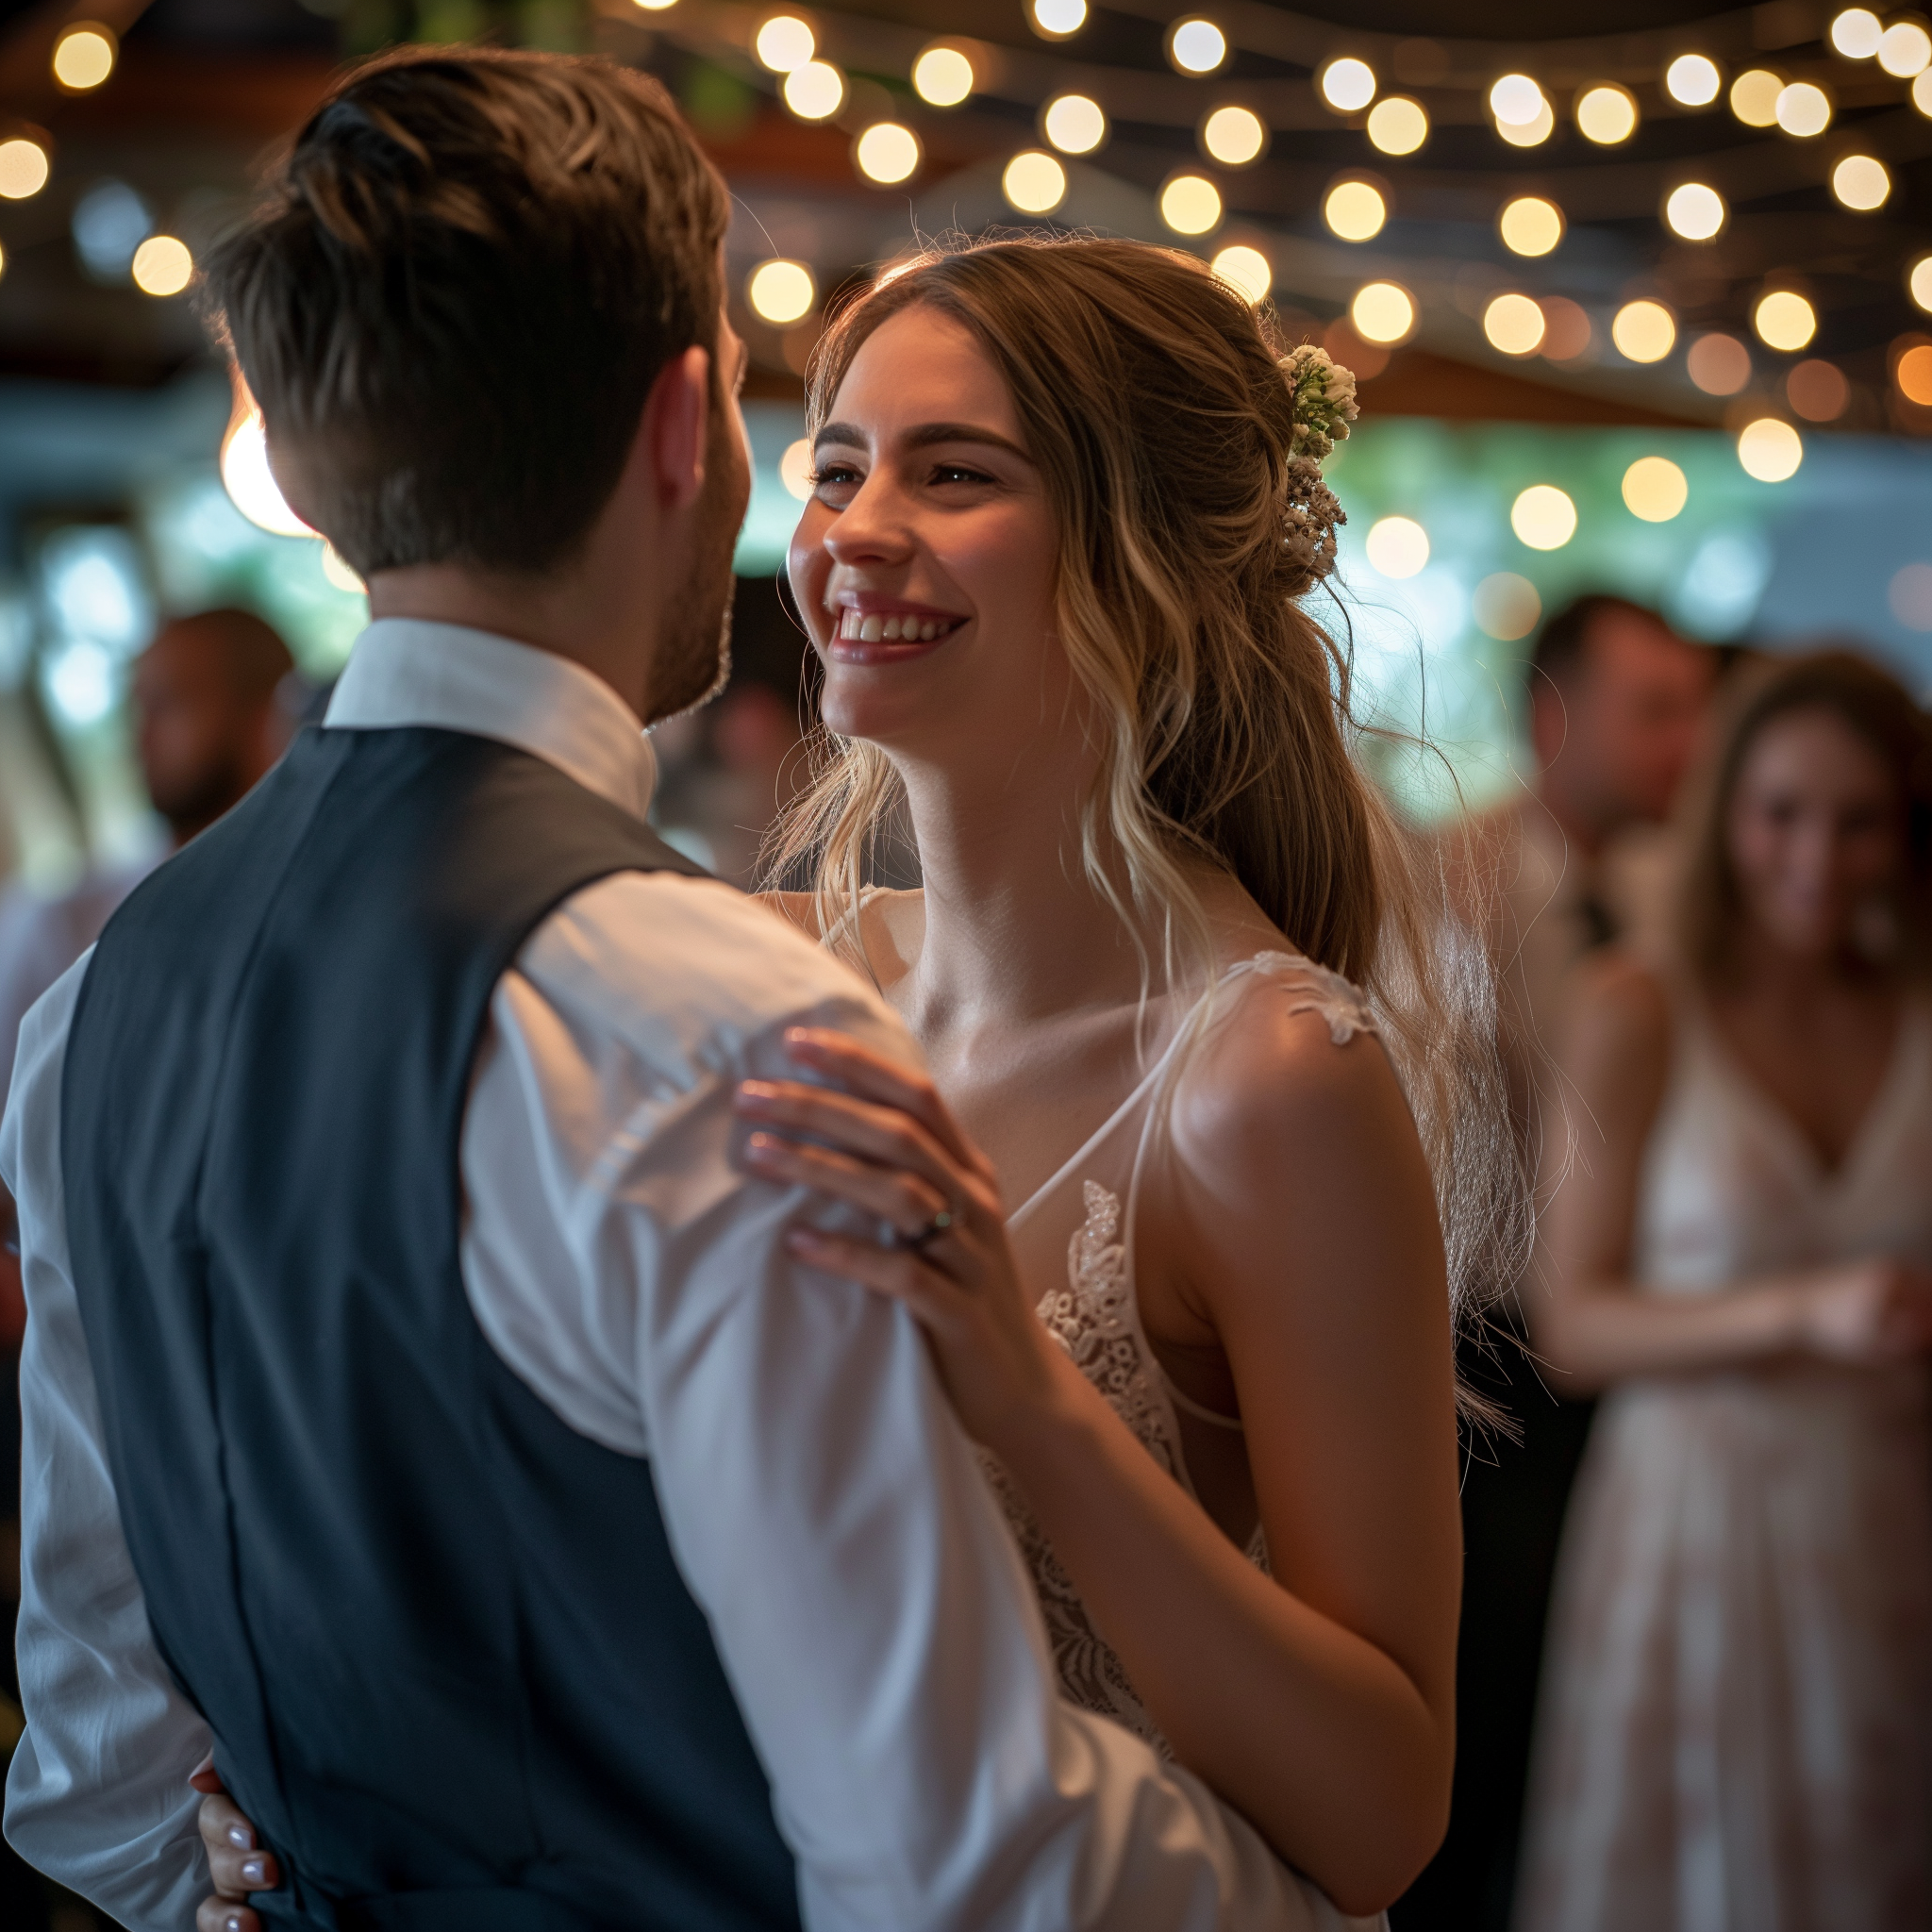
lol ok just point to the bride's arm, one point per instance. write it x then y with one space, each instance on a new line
1592 1321
1320 1703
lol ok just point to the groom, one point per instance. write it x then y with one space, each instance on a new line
421 1408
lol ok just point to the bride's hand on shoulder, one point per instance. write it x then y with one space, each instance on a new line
883 1142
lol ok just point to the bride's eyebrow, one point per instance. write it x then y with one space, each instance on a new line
924 437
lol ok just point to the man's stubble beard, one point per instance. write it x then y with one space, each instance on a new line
694 663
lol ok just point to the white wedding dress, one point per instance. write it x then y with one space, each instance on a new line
1736 1720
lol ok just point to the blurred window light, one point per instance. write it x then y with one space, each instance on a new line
24 168
1919 282
1196 46
1514 325
251 484
1348 85
1516 100
1804 109
110 221
1818 392
84 56
1910 596
1644 331
1723 583
1397 547
1075 123
95 589
815 91
1719 364
1921 93
1056 19
1655 488
785 43
1506 606
1692 80
1034 183
1354 210
162 265
79 682
887 153
1769 450
1855 33
1784 320
1695 211
1914 376
1905 50
1861 182
1246 271
781 292
1606 113
1529 133
1382 312
1398 125
1190 204
1754 97
942 76
1567 333
1234 136
796 468
339 572
1530 226
1543 516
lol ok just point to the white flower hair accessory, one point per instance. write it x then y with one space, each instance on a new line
1323 394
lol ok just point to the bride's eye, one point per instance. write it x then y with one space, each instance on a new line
836 475
958 473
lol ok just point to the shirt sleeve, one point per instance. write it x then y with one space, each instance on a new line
97 1794
824 1507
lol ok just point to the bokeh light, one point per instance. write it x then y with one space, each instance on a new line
84 57
1354 210
1232 136
1855 33
1818 391
162 266
1655 488
1382 312
1530 226
1606 113
942 76
1196 46
796 468
1054 20
815 91
1914 376
1692 80
1246 271
1506 606
1905 49
1075 123
781 292
785 43
250 482
1514 325
1784 320
1919 282
887 153
1190 204
1398 125
1516 100
24 168
1804 109
1754 97
1719 364
1644 331
1769 450
1861 183
1397 547
1543 516
1348 85
1034 183
1695 211
1529 133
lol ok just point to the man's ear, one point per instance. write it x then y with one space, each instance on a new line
676 429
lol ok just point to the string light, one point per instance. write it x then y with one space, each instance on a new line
1397 547
1905 50
1784 321
1075 123
785 43
1034 183
1232 136
162 266
1190 204
1754 97
1514 325
1861 183
1804 109
1644 331
1855 33
1382 312
1921 93
24 168
1606 113
1354 210
815 91
1516 100
1196 46
1692 80
887 153
84 57
1719 364
942 76
1543 516
1695 211
1655 490
1056 20
1529 133
1919 282
1914 376
1769 450
1246 271
781 292
1348 85
1530 226
1398 125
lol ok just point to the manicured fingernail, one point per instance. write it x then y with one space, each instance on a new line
255 1871
241 1837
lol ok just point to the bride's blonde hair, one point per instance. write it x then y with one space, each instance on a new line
1162 415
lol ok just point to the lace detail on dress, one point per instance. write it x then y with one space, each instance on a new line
1318 989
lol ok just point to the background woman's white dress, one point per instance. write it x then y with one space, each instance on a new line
1737 1710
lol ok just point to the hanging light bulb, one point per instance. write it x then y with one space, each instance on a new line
1034 183
24 168
785 43
1196 46
814 92
1543 516
1695 211
1855 33
1232 136
85 54
781 292
1354 210
1246 271
1348 85
887 153
1514 325
1804 109
1861 183
1382 312
1655 488
1644 331
1769 450
1075 123
1784 321
1190 204
1606 113
1905 50
942 76
1692 80
1919 282
1754 97
1530 226
1516 100
1398 125
1056 20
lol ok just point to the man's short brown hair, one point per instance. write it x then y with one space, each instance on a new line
471 269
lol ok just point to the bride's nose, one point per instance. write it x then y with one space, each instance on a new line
872 528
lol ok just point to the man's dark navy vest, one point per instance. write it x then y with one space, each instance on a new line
455 1676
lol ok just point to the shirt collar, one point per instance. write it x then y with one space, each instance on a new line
405 671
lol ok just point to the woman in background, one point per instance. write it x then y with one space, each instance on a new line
1737 1712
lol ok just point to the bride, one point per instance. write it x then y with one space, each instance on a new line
1201 1040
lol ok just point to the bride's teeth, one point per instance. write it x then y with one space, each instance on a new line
927 631
892 630
870 631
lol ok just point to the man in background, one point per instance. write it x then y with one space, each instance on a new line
1579 859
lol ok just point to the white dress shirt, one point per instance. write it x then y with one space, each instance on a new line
825 1509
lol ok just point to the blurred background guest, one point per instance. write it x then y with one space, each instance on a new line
1616 703
1738 1714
